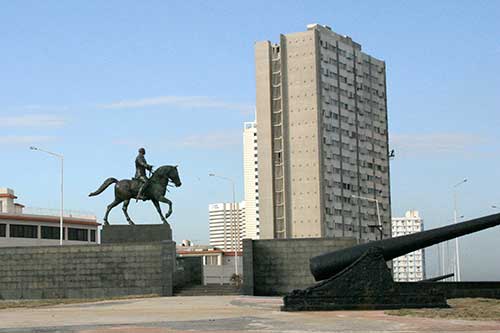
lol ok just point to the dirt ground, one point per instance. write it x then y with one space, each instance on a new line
461 308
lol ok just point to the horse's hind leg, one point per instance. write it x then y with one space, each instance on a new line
124 208
110 207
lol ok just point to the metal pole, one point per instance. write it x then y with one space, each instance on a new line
457 258
457 253
379 227
233 220
61 213
441 258
61 218
236 231
379 221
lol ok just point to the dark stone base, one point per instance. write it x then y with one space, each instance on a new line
365 285
142 233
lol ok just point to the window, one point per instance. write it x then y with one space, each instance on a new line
50 232
23 231
3 229
211 260
92 236
78 234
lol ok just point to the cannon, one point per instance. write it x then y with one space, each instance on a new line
439 278
358 277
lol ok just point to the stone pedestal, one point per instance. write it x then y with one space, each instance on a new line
139 233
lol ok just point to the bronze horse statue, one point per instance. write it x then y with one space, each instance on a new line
155 190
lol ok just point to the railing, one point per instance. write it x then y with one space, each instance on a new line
56 212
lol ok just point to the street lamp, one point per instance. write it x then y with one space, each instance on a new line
379 226
235 226
457 255
61 157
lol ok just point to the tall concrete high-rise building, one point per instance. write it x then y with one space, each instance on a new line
322 137
226 225
251 181
411 266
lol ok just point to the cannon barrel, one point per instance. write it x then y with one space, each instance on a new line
328 264
439 278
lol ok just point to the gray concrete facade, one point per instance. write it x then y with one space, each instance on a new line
88 271
322 137
276 267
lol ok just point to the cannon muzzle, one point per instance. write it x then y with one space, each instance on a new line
328 264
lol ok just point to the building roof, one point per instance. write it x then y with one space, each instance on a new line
8 195
48 219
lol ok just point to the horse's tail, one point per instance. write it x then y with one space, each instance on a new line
104 186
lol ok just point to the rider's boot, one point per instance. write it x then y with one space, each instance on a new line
139 194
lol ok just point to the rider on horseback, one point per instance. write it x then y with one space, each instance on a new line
140 172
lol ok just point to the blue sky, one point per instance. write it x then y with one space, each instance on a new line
95 80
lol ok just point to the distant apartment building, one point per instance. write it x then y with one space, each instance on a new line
322 137
251 181
41 227
410 267
226 225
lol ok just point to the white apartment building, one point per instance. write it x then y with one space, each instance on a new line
322 137
20 229
226 225
251 181
410 267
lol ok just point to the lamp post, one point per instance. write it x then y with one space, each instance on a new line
61 157
379 226
235 226
457 255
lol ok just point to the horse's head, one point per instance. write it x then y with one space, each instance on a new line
173 175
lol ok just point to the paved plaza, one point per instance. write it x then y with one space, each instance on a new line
216 314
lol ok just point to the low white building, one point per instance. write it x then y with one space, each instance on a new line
20 229
218 266
410 267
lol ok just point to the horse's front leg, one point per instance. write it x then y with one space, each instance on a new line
158 209
169 203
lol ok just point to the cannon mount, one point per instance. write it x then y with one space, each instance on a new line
357 278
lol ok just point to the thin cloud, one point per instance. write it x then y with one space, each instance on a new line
437 143
32 120
212 140
127 142
24 140
192 102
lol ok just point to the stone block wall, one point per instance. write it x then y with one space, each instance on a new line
278 266
87 271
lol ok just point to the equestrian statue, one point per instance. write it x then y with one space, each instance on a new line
142 188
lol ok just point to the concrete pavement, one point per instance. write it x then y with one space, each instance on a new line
215 314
